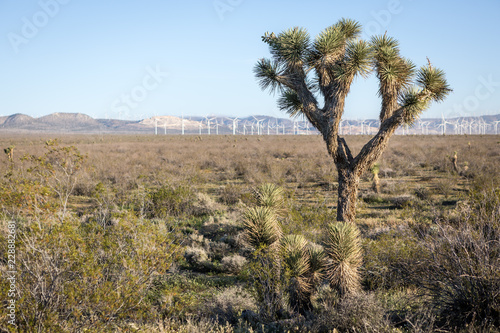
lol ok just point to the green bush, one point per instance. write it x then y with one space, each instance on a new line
170 201
386 260
74 276
354 313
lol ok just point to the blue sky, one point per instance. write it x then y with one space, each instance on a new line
136 59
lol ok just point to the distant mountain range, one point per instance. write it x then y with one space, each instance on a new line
81 123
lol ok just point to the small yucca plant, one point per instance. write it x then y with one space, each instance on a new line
316 263
262 229
269 195
296 259
344 257
295 255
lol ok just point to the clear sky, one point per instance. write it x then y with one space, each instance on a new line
136 59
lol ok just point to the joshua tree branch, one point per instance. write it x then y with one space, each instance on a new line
374 148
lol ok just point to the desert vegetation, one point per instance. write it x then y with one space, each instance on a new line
145 233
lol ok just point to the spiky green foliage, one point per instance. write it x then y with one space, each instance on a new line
267 73
270 195
290 103
433 80
358 58
413 104
316 263
344 257
432 86
332 60
394 72
330 42
290 47
295 255
262 229
296 259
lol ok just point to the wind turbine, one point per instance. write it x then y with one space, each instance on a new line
156 126
182 124
208 124
216 127
470 126
369 131
455 126
496 126
484 125
424 126
258 125
235 123
363 127
443 124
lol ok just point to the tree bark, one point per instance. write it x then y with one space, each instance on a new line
347 195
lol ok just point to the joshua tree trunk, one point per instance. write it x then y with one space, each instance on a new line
350 169
348 194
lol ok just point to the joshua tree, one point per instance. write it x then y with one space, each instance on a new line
454 160
9 151
301 70
376 181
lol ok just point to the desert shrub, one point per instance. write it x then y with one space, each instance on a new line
355 313
463 276
40 184
445 186
205 205
84 186
21 196
196 257
374 198
180 295
233 264
308 220
268 280
76 276
386 259
230 194
58 168
104 205
462 273
170 201
403 201
423 193
194 324
228 305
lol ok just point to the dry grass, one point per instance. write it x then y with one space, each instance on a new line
138 178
